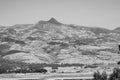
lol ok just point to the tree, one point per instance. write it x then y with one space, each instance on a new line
97 76
104 76
115 75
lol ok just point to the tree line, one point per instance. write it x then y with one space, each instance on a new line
115 75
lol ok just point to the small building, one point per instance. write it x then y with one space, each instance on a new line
49 69
54 69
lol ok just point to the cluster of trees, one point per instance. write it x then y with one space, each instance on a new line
115 75
85 41
103 76
7 66
100 76
8 39
61 65
22 70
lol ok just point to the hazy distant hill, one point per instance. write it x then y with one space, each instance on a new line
117 30
54 42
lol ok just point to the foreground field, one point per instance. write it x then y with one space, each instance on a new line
84 74
21 76
52 76
37 76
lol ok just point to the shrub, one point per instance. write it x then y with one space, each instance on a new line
118 62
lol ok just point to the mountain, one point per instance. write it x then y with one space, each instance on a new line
54 42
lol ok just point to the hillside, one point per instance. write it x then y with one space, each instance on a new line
54 42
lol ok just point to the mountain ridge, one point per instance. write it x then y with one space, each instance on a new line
54 42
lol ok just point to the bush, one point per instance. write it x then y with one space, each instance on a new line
118 63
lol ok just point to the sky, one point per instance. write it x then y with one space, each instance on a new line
93 13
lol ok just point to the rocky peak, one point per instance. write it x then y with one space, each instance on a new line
54 21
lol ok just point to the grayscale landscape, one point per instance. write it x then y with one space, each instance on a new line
50 49
49 44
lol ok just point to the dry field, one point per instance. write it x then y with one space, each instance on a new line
37 76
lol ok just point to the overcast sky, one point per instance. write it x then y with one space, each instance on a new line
100 13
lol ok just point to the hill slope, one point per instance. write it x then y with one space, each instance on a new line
54 42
